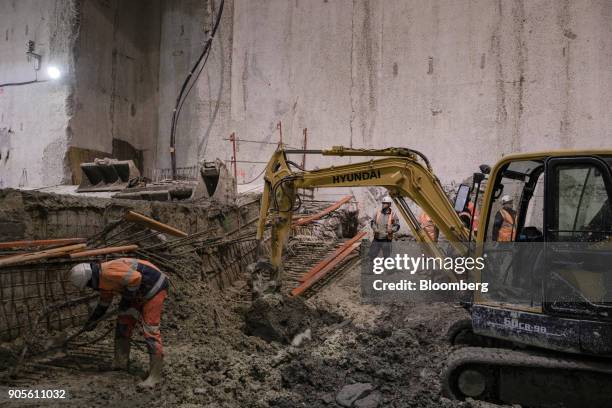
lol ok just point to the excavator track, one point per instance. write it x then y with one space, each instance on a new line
528 378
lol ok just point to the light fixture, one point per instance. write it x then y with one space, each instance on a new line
54 72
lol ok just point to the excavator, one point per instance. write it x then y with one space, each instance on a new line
543 336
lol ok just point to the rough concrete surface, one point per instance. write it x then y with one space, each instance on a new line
463 81
34 114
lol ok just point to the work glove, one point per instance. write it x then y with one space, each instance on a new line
95 317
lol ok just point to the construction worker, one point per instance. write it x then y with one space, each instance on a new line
472 210
504 226
470 215
429 227
384 224
143 289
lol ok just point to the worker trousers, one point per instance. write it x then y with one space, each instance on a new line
148 313
378 245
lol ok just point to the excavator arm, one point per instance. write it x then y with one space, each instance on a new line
403 172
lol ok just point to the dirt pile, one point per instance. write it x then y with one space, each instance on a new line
395 352
281 319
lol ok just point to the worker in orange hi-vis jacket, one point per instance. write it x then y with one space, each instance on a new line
143 289
504 226
429 227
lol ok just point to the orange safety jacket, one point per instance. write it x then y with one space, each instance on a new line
129 277
428 226
507 231
471 209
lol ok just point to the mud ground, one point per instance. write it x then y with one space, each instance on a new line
213 360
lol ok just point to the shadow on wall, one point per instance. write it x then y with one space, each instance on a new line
5 149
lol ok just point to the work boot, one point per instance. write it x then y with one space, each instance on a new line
122 354
156 365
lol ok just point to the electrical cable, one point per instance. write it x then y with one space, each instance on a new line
250 181
186 88
35 81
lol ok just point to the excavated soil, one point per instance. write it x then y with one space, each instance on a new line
224 351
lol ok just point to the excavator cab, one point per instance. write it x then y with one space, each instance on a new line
550 285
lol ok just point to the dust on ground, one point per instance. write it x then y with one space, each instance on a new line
391 355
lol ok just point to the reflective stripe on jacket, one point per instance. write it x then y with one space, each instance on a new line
388 225
129 277
428 226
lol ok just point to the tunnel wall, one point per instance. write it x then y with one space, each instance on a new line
33 115
464 81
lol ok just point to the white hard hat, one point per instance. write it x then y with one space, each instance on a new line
506 199
387 200
80 274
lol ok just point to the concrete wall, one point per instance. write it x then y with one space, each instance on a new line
117 68
33 117
463 81
204 119
108 52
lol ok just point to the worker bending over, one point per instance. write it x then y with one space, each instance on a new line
143 289
504 226
384 224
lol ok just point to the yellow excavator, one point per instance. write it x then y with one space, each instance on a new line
543 336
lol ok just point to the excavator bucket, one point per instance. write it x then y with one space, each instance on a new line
215 182
107 175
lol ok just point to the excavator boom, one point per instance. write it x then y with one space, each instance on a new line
403 172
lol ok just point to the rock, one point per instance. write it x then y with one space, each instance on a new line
352 392
280 358
199 391
371 400
306 335
327 398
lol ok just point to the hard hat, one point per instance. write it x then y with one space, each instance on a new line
506 199
80 274
387 200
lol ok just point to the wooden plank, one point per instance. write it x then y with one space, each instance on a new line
331 257
35 256
314 217
153 224
41 242
330 266
104 251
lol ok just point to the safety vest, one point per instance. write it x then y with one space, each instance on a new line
428 226
472 209
389 224
139 277
507 231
